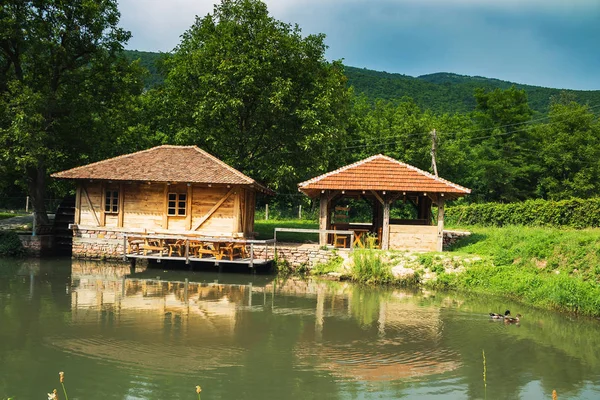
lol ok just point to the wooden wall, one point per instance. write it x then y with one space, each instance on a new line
413 237
210 211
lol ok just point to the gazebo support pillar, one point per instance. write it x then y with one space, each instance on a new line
323 218
440 219
385 234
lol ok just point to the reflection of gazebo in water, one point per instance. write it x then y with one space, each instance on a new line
381 180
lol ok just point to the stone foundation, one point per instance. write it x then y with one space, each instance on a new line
37 245
298 255
97 244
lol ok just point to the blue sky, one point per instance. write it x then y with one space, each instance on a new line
554 43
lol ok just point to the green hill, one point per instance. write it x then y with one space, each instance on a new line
440 92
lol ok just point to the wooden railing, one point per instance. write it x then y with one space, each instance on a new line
162 246
326 231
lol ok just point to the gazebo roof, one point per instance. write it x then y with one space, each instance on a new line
185 164
381 173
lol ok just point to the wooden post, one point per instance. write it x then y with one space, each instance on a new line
323 218
103 205
27 204
236 211
251 255
266 212
121 205
385 234
78 205
165 220
188 208
440 244
433 151
300 211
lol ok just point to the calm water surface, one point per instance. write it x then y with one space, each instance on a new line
151 336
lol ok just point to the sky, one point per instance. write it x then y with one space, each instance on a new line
552 43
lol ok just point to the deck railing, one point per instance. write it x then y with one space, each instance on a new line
167 243
319 231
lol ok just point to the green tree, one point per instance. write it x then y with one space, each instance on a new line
253 91
501 148
64 87
570 152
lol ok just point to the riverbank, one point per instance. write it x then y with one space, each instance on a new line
548 268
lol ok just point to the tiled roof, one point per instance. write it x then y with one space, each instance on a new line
380 173
185 164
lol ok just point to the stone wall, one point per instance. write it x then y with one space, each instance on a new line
37 245
98 244
298 255
451 237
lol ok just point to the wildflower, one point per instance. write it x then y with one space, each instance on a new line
62 377
198 389
53 395
554 395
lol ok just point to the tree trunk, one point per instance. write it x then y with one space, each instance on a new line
37 194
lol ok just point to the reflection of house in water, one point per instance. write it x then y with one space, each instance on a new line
351 332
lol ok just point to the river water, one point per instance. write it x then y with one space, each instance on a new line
152 335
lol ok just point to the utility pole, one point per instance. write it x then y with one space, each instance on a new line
433 150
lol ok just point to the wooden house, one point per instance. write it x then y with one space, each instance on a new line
162 190
383 181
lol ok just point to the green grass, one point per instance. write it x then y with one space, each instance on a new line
546 267
370 267
6 215
266 229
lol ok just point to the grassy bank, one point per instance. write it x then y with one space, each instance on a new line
545 267
549 268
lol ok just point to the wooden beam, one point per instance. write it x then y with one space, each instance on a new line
385 234
78 205
377 196
103 204
121 205
165 221
236 211
87 197
332 194
188 208
212 210
440 244
323 218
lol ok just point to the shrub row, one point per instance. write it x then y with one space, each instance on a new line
574 213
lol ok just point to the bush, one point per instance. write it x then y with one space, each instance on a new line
369 267
574 213
10 244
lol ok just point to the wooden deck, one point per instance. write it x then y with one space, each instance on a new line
194 249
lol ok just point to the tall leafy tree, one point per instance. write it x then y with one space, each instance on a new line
64 86
501 146
255 92
570 150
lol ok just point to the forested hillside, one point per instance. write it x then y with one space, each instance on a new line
440 92
272 106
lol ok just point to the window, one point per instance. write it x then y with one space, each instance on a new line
177 204
111 202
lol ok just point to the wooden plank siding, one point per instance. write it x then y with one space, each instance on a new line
144 206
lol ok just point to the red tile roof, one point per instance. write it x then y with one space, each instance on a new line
185 164
380 173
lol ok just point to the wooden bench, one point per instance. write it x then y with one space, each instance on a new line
154 245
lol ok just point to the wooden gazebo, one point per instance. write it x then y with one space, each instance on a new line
382 181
